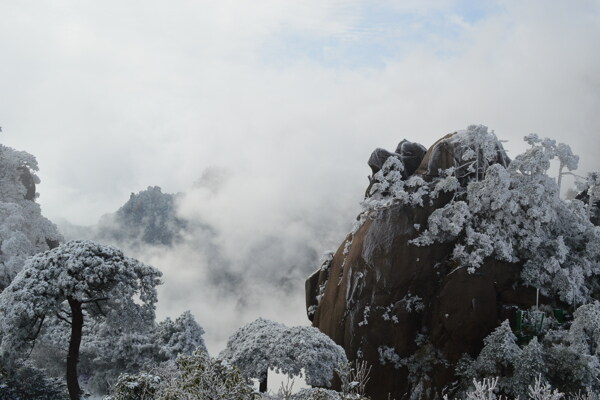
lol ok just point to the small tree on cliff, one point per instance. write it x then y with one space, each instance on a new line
497 358
264 344
477 149
499 352
75 280
547 149
529 366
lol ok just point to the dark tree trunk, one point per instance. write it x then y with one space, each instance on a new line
262 387
75 342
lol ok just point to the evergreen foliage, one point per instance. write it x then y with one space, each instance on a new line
24 381
262 345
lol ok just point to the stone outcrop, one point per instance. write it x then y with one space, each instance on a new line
378 157
28 180
411 154
408 310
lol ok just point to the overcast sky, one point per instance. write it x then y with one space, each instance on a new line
114 96
289 97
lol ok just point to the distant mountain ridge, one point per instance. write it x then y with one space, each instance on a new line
146 218
149 217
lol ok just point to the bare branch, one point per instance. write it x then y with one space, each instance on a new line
63 318
572 174
96 300
100 309
37 332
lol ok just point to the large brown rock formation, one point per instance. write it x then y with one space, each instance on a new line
406 309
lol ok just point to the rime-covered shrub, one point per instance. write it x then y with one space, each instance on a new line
317 394
389 186
130 344
190 377
566 357
181 336
475 150
201 377
572 356
263 344
23 381
388 181
513 369
499 353
529 365
136 387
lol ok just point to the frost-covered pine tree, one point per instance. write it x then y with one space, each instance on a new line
499 353
497 359
567 357
262 345
547 149
572 355
584 332
74 282
566 159
23 230
529 366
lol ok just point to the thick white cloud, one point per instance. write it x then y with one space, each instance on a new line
290 97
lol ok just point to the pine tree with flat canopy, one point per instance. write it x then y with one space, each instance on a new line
76 281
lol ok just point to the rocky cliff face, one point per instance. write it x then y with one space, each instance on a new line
28 181
407 309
